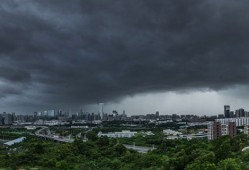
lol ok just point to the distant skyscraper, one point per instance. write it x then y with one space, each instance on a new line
7 119
241 113
157 114
101 110
1 120
51 113
227 111
231 114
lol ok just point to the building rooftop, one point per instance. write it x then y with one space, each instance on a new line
12 142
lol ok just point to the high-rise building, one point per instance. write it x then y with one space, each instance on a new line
51 113
101 110
226 111
231 114
35 115
232 131
216 130
157 114
7 119
246 114
241 113
13 117
1 120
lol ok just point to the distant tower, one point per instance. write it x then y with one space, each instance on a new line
101 110
227 111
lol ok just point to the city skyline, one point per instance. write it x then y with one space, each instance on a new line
168 56
100 110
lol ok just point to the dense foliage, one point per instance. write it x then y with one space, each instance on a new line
107 154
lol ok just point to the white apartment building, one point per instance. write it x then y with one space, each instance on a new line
246 130
240 121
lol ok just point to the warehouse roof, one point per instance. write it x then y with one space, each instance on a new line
12 142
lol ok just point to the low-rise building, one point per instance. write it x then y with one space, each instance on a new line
123 134
30 127
188 136
171 132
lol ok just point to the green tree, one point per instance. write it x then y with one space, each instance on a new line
229 164
201 166
92 135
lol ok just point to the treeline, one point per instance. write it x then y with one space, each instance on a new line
109 154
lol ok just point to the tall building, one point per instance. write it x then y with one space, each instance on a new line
1 120
227 111
241 113
13 117
231 114
101 110
157 114
216 130
7 119
51 113
232 131
246 114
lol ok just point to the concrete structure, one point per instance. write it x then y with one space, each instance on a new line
246 130
171 132
101 110
241 121
172 137
7 119
213 130
30 127
227 111
217 129
1 120
123 134
140 149
52 137
188 136
232 131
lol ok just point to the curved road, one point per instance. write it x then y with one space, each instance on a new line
245 148
52 137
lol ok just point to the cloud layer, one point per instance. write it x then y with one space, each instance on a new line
64 53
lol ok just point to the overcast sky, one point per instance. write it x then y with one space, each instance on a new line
174 56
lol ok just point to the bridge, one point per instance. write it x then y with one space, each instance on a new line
49 136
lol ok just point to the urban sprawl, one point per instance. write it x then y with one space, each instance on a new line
211 127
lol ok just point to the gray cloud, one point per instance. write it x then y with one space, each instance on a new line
76 52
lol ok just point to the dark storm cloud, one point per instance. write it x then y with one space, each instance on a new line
79 52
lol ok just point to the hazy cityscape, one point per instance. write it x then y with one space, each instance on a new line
139 133
101 115
124 85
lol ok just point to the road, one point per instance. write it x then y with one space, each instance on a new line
244 149
52 137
